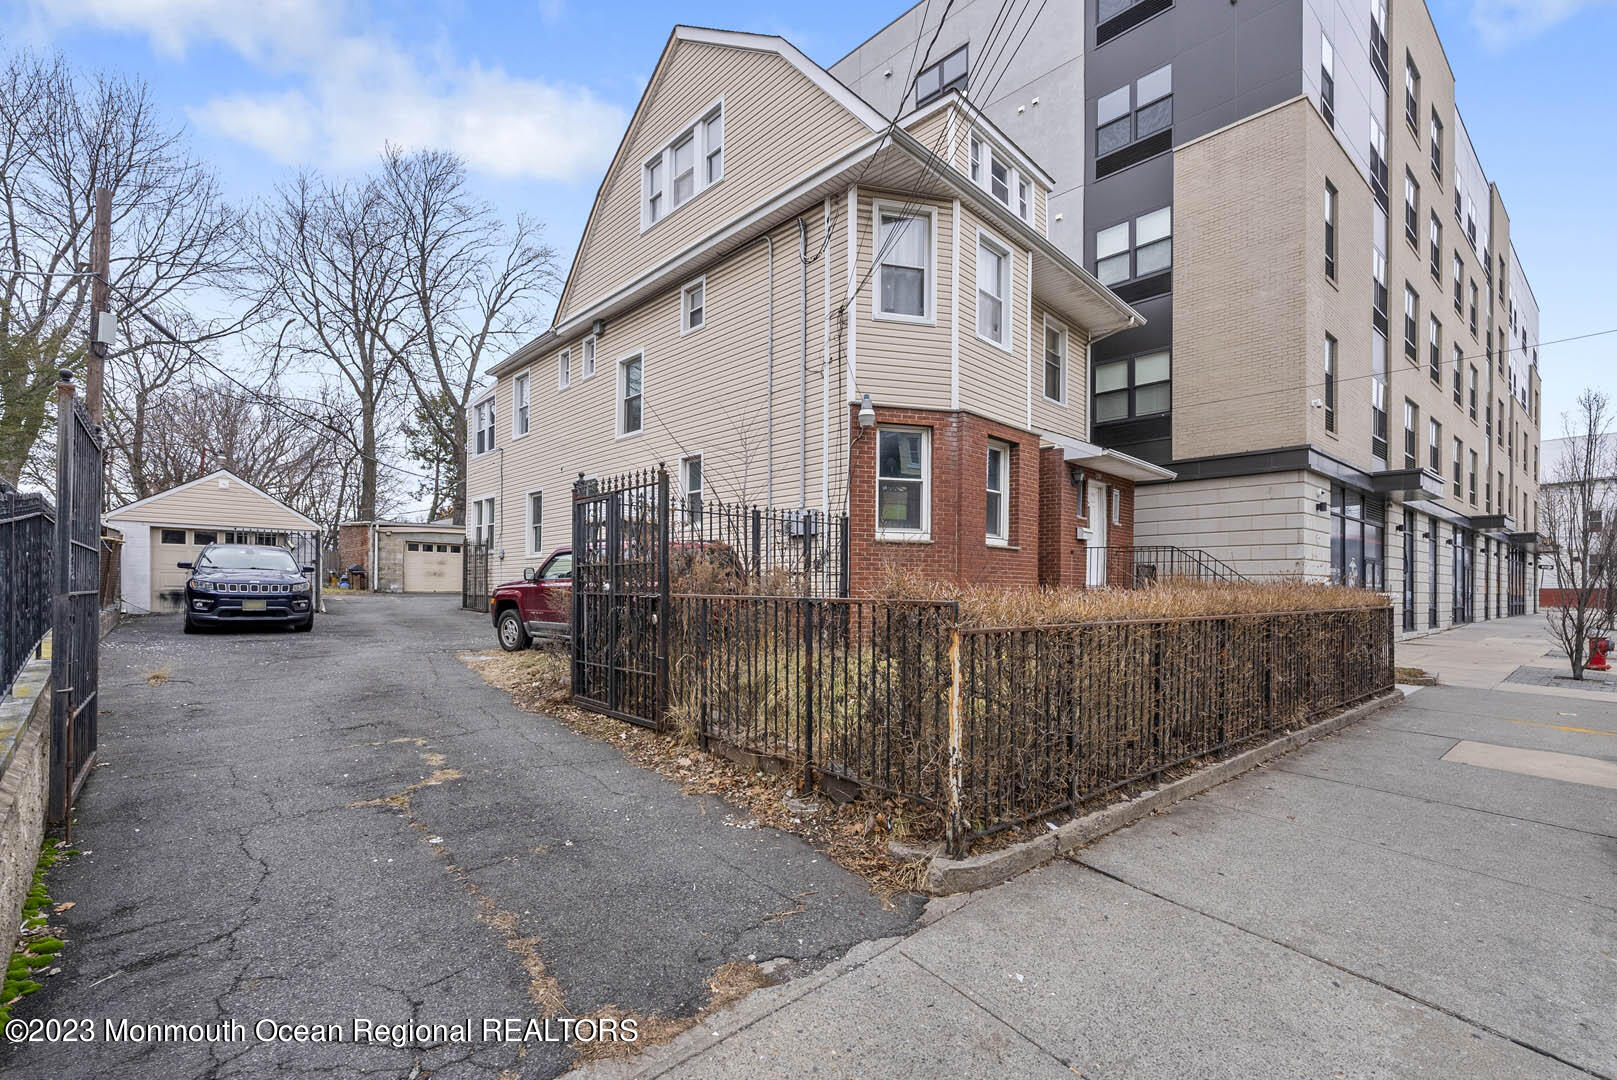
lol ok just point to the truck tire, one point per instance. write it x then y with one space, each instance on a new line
512 634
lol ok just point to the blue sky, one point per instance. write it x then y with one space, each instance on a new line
535 95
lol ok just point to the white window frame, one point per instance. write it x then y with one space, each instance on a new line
620 399
1001 538
924 533
484 520
521 403
685 489
983 153
685 305
994 241
696 129
929 293
478 425
586 351
1066 346
564 369
1115 496
527 510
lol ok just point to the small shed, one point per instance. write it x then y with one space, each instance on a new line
172 526
403 556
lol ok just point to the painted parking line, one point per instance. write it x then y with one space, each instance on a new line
1565 727
1546 764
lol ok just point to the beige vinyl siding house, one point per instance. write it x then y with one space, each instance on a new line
829 269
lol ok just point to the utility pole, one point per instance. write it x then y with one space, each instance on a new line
100 295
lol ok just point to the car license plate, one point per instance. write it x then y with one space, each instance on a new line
254 605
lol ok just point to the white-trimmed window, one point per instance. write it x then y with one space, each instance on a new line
903 482
631 401
1116 495
994 171
1055 361
906 260
693 306
564 369
588 351
519 404
993 291
536 522
691 162
999 489
690 478
483 521
483 424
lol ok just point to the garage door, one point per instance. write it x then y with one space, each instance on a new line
431 567
170 546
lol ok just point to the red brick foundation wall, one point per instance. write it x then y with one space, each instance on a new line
958 548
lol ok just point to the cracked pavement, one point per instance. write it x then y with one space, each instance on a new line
313 828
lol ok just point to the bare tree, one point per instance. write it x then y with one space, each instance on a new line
1578 516
177 244
472 285
336 287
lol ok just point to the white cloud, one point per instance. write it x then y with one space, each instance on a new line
352 93
1502 22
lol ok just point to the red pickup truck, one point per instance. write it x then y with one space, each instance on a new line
540 605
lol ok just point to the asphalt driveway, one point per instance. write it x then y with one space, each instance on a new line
350 823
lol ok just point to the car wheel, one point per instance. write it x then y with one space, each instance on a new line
513 635
305 626
191 627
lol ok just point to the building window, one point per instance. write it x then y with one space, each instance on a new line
1411 435
1434 339
483 420
1412 96
1501 421
413 546
1358 532
1136 387
1455 364
905 276
172 536
693 306
202 537
1055 361
1151 253
995 173
1411 324
536 522
1378 40
1125 136
1473 392
690 476
1327 81
630 373
1459 284
993 292
1472 294
519 405
999 486
483 521
1113 17
588 349
1436 139
1434 446
1411 210
947 74
1458 454
1330 230
903 482
564 369
1435 231
1330 383
1471 477
691 162
1115 497
1378 162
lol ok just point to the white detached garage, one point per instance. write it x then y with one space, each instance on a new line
172 526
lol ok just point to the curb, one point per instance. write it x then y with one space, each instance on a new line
945 877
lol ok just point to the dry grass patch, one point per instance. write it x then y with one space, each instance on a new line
159 676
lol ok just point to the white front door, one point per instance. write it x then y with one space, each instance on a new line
1099 508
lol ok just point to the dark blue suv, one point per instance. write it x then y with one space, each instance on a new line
247 583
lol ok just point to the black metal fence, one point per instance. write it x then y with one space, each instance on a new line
76 618
27 562
1139 566
474 579
777 551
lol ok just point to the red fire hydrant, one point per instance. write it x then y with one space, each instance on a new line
1599 647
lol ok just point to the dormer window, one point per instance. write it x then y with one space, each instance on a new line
691 162
995 173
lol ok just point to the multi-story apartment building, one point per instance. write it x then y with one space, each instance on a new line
766 257
1339 361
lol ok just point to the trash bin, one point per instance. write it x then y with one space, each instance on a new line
356 577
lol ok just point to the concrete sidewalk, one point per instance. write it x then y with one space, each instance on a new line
1361 908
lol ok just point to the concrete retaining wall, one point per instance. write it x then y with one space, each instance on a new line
25 720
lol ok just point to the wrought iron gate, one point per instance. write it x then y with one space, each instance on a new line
76 616
474 581
620 596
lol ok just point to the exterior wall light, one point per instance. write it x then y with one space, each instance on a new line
867 413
